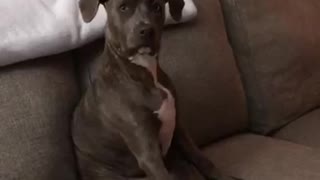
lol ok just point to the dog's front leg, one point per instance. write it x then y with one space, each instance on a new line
193 154
143 142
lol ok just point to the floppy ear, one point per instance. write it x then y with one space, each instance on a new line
175 8
88 9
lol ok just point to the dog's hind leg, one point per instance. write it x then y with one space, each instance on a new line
89 169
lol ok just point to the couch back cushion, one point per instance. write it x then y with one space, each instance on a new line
37 99
199 60
277 46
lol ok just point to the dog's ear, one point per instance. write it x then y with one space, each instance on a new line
89 8
175 8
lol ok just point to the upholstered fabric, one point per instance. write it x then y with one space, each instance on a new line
277 48
253 157
199 60
36 102
305 130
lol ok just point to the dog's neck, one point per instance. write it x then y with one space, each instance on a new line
131 67
114 52
128 67
114 57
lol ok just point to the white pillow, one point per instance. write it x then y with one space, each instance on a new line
35 28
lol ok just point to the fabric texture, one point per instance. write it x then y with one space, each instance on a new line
37 99
199 61
304 130
277 48
253 157
36 28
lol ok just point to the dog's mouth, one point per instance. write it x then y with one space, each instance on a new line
143 50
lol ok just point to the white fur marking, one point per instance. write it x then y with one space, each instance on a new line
167 111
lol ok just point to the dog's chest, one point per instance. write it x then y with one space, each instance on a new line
167 111
167 115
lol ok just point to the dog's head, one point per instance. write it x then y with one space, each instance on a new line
133 25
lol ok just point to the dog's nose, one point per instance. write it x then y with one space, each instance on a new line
146 31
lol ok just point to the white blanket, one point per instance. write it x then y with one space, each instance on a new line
35 28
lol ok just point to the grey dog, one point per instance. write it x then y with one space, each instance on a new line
125 125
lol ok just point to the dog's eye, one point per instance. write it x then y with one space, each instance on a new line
157 7
124 7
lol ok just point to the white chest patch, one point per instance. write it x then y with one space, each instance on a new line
167 111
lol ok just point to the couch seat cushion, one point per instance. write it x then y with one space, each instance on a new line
305 130
254 157
36 103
